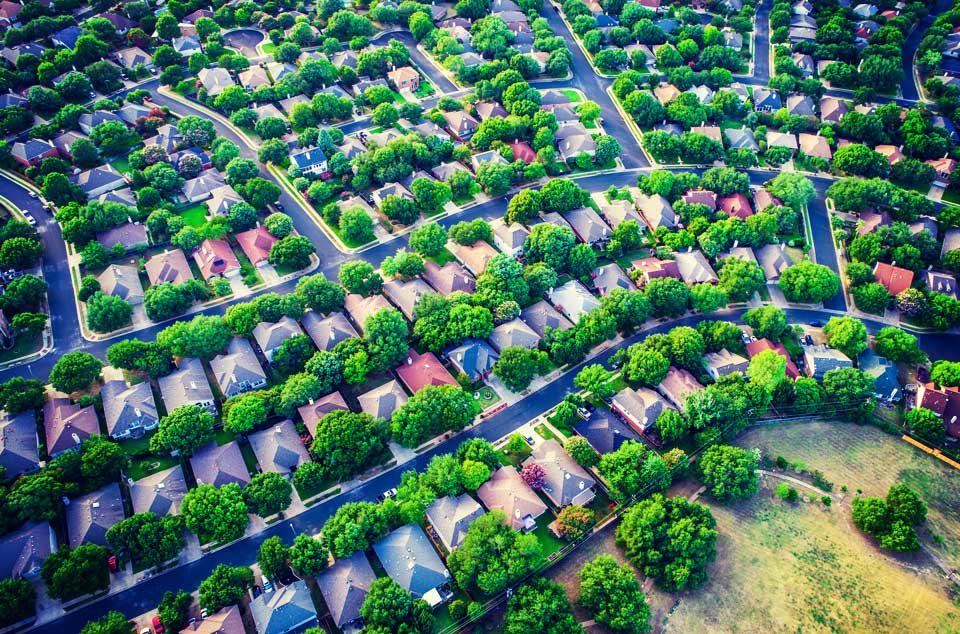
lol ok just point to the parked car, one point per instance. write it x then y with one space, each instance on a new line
34 195
389 493
157 625
816 323
29 219
203 613
267 585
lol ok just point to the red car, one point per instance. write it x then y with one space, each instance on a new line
157 625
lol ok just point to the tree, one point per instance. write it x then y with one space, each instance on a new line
404 264
534 475
574 521
24 294
707 298
246 411
320 294
892 520
386 335
741 279
20 253
101 461
926 424
308 555
946 373
291 252
389 608
147 539
611 594
671 540
846 334
360 277
596 380
431 411
75 371
354 527
225 586
898 346
580 450
469 233
729 473
272 558
267 494
631 470
807 282
672 425
18 601
106 313
131 354
30 324
215 515
18 394
113 623
668 296
345 443
540 606
872 298
493 555
183 431
292 355
69 574
646 365
495 179
850 392
428 240
767 369
768 322
478 450
793 188
174 609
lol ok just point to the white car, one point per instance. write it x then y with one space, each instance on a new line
29 219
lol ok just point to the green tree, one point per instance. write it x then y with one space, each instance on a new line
386 335
596 380
768 369
631 470
360 277
225 586
431 411
69 574
75 371
807 282
672 425
291 252
574 521
850 392
729 473
767 322
898 346
741 279
354 527
245 412
926 424
267 494
540 606
147 539
846 334
346 444
793 188
272 558
611 594
428 240
20 253
308 555
389 608
113 623
183 431
174 609
580 450
215 515
668 297
18 601
106 313
493 555
320 294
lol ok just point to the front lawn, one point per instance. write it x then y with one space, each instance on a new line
22 346
424 90
195 215
488 396
442 258
549 545
572 95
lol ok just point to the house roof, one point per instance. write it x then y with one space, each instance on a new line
725 362
253 77
327 332
587 224
451 516
420 370
98 178
122 196
128 406
222 199
410 560
756 347
653 268
656 210
18 443
123 281
312 412
677 385
506 491
566 482
815 145
362 308
256 244
616 211
610 276
66 424
574 300
406 295
884 372
22 552
227 621
308 158
763 98
695 269
269 336
820 359
475 256
215 80
381 402
639 407
160 493
200 187
513 333
187 385
219 465
474 357
345 585
832 109
776 138
742 139
893 278
286 609
735 205
543 315
800 105
449 278
445 170
604 431
460 122
278 448
709 131
942 283
169 266
238 366
90 516
215 258
773 258
763 199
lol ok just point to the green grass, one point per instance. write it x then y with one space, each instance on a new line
573 95
249 458
195 215
247 270
121 164
222 437
424 90
22 346
545 433
951 196
510 459
268 48
484 402
309 492
146 465
548 543
442 258
474 190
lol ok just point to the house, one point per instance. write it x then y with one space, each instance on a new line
256 245
640 408
487 109
736 205
280 70
200 188
893 278
327 332
604 431
226 621
474 358
766 100
66 425
741 139
344 587
665 93
832 109
773 259
712 132
616 211
522 151
678 385
507 492
404 78
805 63
782 139
656 211
474 256
222 199
362 308
122 196
215 258
392 189
99 180
168 267
815 145
133 56
219 465
942 283
383 401
420 370
565 481
278 449
409 559
694 268
891 152
63 143
284 610
945 402
22 551
187 45
588 225
543 315
187 385
18 443
90 516
160 493
237 370
451 516
167 137
310 161
820 359
724 363
490 156
215 80
732 39
737 253
444 171
509 238
704 94
9 12
89 120
756 347
129 410
427 129
13 53
610 276
652 268
573 140
253 78
460 124
951 242
886 385
406 295
514 333
268 111
943 168
123 281
449 278
573 299
130 236
269 336
800 105
67 38
314 411
762 199
870 221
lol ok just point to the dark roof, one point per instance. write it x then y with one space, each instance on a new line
22 552
90 516
604 431
18 443
160 493
474 357
344 586
410 560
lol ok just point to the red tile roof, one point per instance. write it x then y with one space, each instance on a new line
421 370
756 347
256 244
894 278
523 152
736 205
215 257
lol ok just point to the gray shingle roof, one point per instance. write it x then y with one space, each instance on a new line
286 609
507 492
278 448
381 402
160 493
344 586
542 315
410 560
89 516
474 357
18 443
219 465
513 333
269 336
238 370
22 552
128 409
187 385
566 482
604 431
451 517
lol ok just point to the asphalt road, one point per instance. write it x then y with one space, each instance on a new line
908 88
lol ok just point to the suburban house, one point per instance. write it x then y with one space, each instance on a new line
945 402
616 211
66 424
32 152
509 238
134 55
129 410
312 412
543 315
604 431
815 145
89 120
474 256
773 259
226 621
187 385
565 482
820 359
695 269
383 401
199 188
513 333
256 244
238 370
588 225
782 139
449 278
130 236
215 80
90 516
406 295
506 491
18 443
573 140
574 300
362 308
656 211
610 276
99 180
253 78
22 551
420 370
756 347
168 267
735 205
886 384
894 278
404 78
311 161
410 560
160 493
724 363
271 335
640 407
942 283
451 516
678 385
284 610
460 124
344 587
222 199
652 268
327 332
278 448
219 465
474 358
